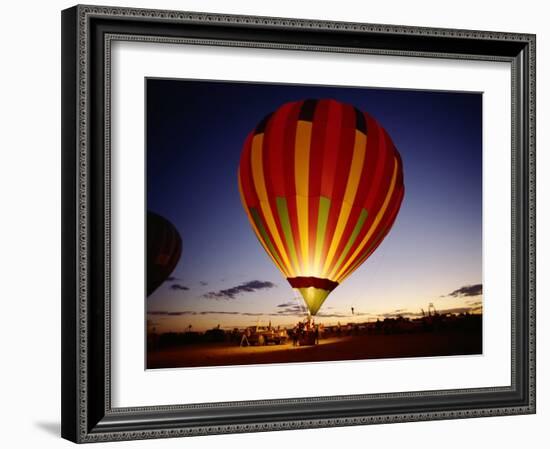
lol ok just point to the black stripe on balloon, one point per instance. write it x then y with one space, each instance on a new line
360 122
307 110
263 124
310 281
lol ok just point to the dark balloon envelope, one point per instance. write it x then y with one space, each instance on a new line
321 183
163 250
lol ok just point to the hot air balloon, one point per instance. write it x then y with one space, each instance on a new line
163 250
321 183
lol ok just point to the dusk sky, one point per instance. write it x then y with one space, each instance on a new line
195 133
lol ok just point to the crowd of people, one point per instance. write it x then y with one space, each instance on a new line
306 333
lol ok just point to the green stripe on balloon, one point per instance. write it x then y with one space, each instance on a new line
282 210
324 209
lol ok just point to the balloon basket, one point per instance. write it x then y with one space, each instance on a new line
307 339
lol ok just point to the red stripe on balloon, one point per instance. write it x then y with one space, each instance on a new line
289 151
245 168
330 151
274 138
317 148
330 161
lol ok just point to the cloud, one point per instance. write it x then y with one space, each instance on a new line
289 310
203 283
246 287
287 304
467 290
457 310
215 312
192 312
333 315
402 313
178 287
167 313
172 278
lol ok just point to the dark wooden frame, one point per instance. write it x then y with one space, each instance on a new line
87 32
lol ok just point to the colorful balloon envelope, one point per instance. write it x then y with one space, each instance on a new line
163 250
321 183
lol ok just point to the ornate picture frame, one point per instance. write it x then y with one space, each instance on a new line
87 35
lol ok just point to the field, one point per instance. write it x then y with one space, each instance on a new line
350 347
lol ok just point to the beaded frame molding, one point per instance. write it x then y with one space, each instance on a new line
87 34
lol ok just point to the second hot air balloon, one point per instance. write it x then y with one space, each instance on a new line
321 183
163 250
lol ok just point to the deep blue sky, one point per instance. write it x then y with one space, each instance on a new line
195 132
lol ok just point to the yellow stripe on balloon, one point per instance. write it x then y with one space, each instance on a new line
357 162
255 228
259 184
301 175
374 225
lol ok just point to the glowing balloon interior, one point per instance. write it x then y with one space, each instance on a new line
321 183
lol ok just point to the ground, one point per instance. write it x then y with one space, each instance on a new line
450 342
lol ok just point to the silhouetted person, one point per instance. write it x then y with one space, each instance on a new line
244 339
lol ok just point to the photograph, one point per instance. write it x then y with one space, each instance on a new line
278 219
307 223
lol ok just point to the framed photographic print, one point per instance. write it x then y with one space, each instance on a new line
267 222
